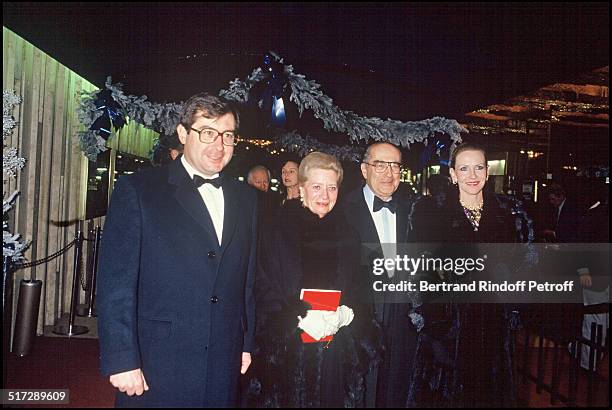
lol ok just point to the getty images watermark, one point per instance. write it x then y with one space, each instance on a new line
413 265
487 273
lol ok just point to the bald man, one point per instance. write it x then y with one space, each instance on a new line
380 218
259 177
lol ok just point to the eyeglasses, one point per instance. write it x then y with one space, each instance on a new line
382 166
209 135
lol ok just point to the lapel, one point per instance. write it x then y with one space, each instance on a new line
401 222
357 210
361 213
366 225
231 211
189 198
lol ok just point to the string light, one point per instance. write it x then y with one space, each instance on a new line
534 154
261 143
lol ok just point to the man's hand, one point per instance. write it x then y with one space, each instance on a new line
246 362
585 281
133 381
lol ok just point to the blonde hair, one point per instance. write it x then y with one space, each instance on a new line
319 160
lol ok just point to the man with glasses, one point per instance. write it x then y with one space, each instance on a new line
175 300
380 218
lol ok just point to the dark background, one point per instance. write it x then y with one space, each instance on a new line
405 61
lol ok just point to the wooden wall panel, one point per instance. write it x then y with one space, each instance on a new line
53 184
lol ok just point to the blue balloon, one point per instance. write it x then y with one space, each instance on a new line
272 103
278 117
103 98
267 61
112 114
103 126
116 116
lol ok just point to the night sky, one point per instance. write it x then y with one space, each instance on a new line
402 61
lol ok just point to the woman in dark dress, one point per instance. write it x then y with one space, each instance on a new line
311 246
289 176
464 352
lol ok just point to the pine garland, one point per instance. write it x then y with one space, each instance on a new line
11 244
306 94
302 146
162 118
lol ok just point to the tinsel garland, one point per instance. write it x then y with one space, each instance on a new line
293 142
306 94
11 163
162 118
11 244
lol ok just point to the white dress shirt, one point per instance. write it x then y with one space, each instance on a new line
385 222
212 197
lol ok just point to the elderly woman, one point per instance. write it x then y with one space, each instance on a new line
311 246
463 356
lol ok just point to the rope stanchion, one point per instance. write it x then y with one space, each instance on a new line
8 267
47 259
27 316
89 310
71 329
7 310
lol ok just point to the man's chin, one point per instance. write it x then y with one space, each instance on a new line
213 171
216 167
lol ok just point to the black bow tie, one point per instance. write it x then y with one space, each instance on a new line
380 204
198 181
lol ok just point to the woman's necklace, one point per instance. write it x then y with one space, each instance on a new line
472 213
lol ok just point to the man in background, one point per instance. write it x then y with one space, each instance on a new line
259 177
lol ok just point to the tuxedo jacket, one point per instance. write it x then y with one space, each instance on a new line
394 374
171 300
358 215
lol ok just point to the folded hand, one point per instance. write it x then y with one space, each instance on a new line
322 323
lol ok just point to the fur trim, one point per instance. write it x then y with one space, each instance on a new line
289 373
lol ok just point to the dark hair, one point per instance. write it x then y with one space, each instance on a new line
210 106
161 150
467 146
291 160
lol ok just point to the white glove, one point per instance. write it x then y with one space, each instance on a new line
313 323
321 323
345 316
